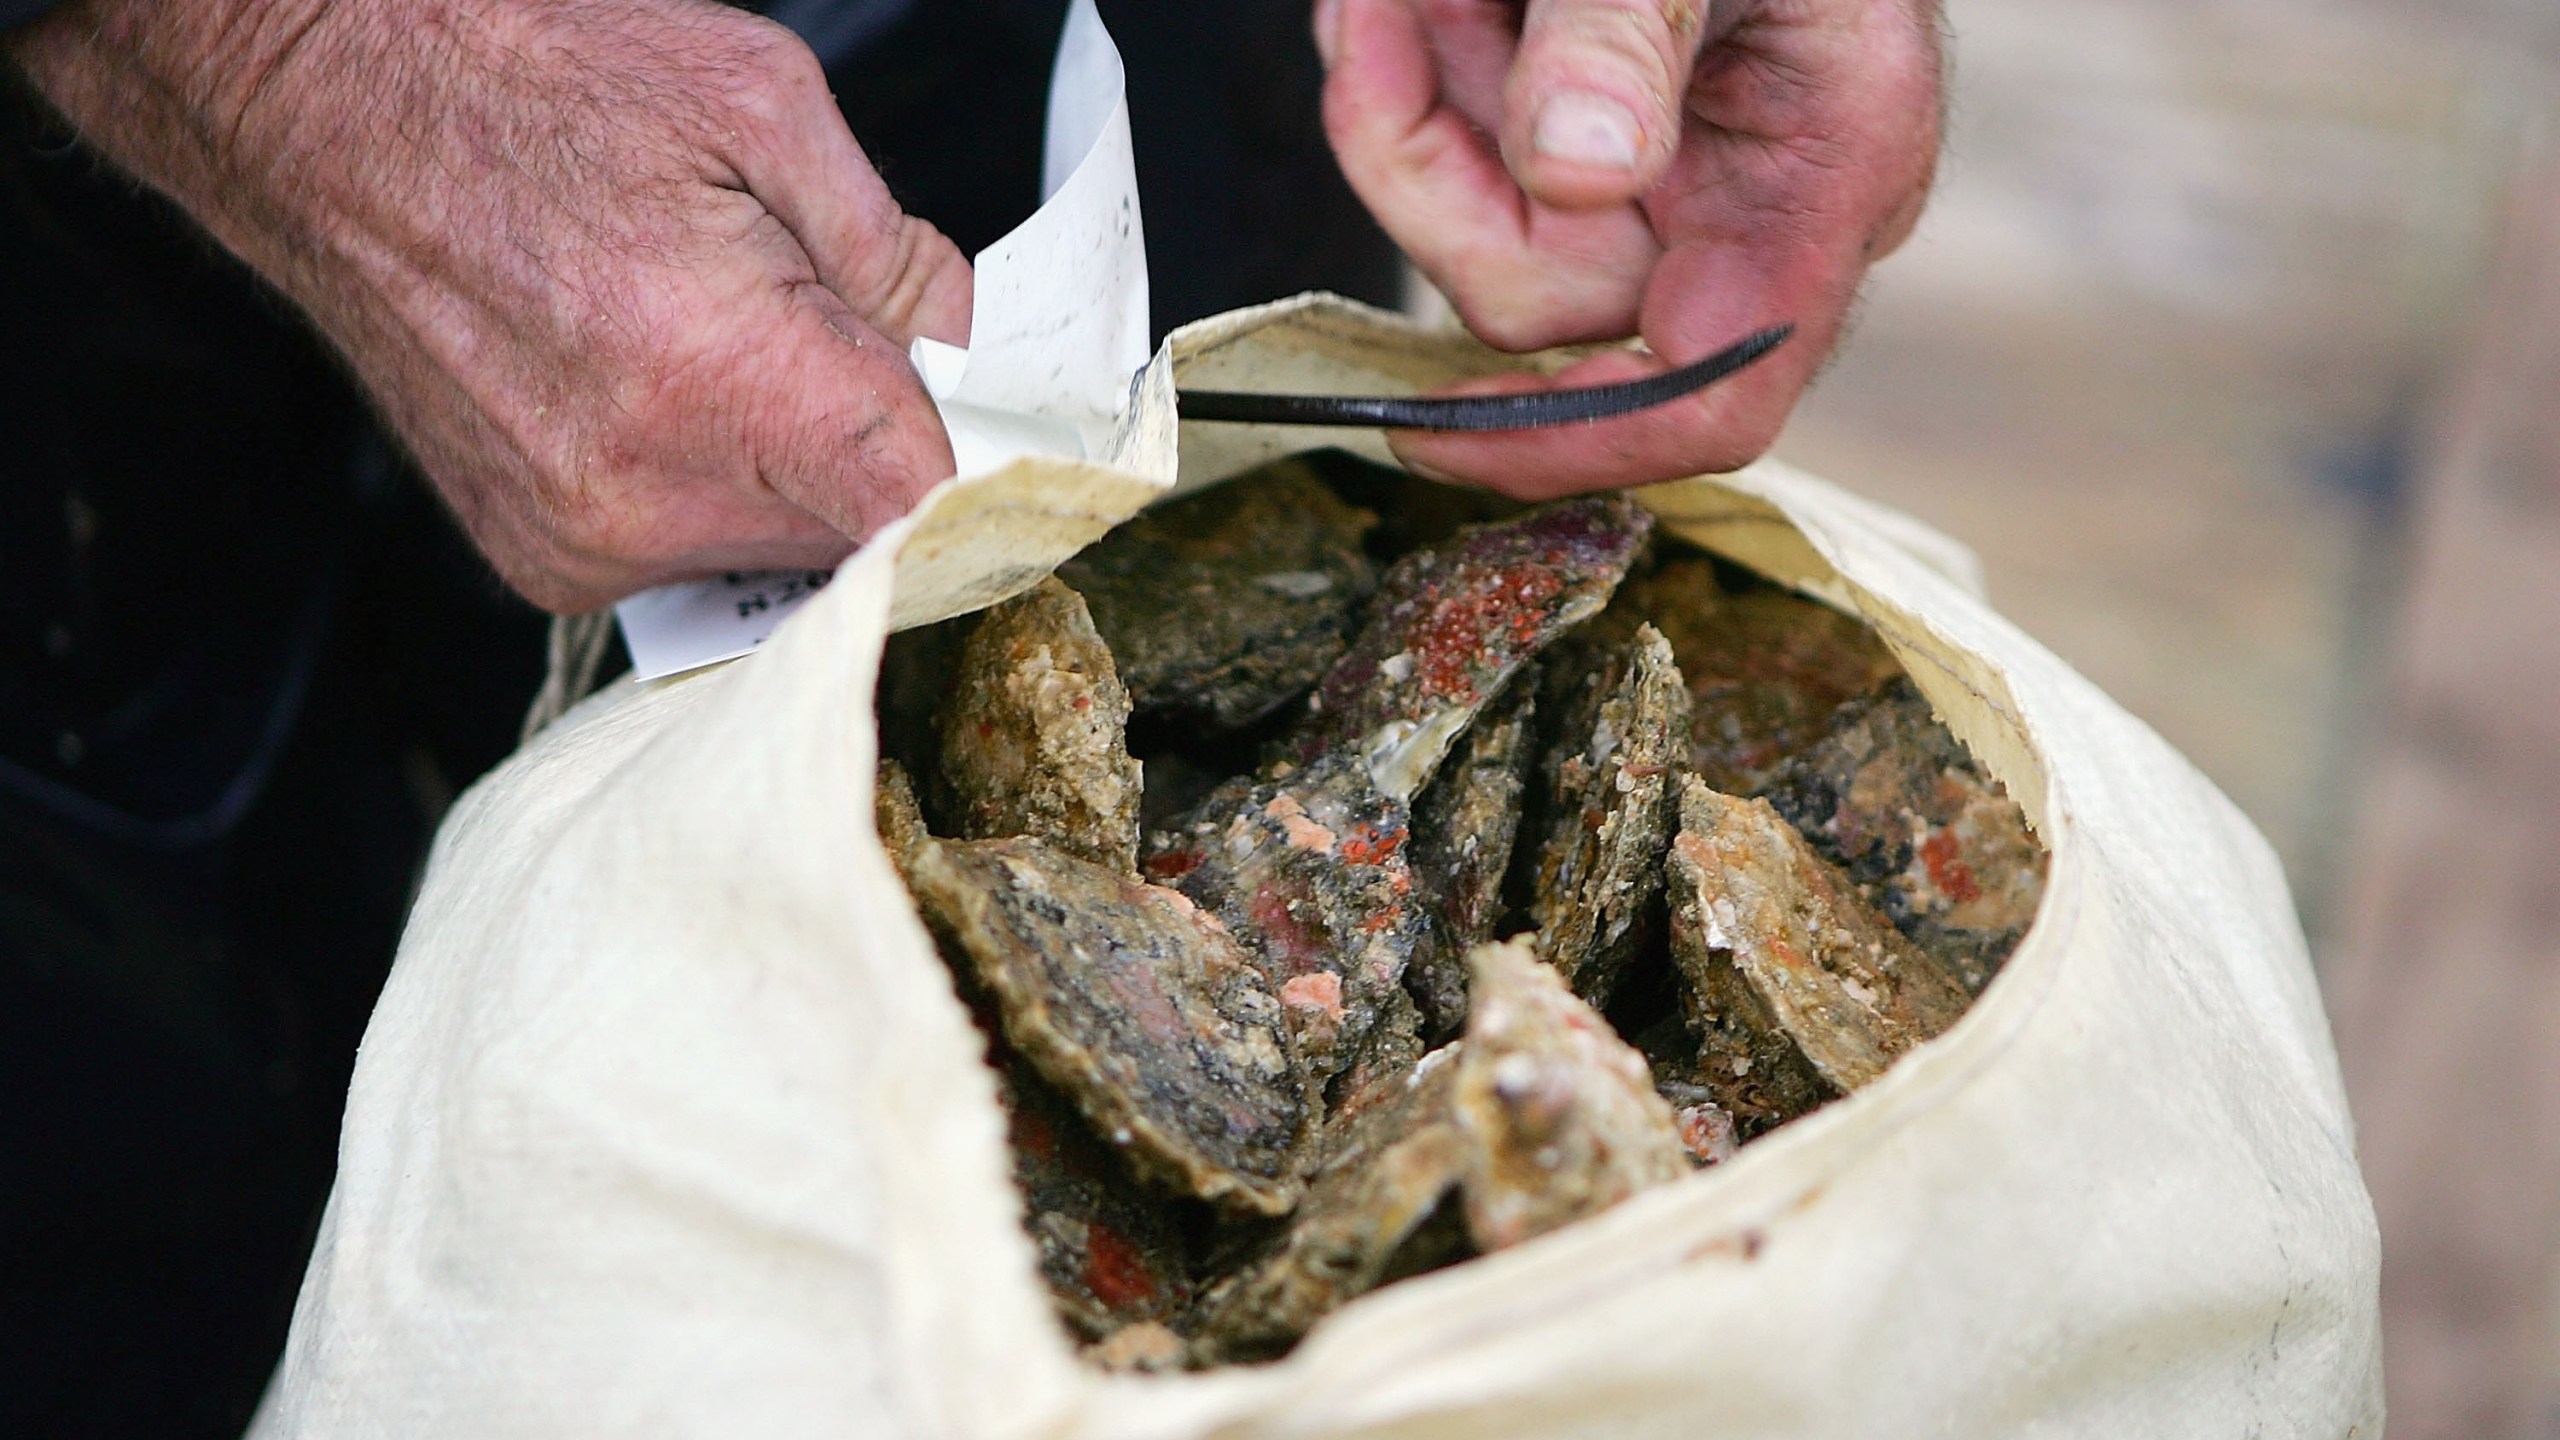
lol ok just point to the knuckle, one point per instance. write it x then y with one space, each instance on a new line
1633 42
769 82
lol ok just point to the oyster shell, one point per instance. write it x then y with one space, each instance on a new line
1136 1005
1369 1218
1453 622
1765 668
895 813
1798 990
1111 1253
1463 830
1143 1347
1381 1059
1560 1115
1309 871
1229 603
1707 1133
1899 804
1622 739
1034 733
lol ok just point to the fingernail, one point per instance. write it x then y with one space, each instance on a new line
1589 129
1328 30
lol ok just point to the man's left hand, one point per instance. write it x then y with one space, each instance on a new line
1592 170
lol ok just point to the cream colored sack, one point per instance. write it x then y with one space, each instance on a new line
669 1124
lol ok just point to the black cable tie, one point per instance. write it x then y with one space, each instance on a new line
1479 412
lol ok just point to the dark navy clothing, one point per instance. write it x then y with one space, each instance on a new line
245 660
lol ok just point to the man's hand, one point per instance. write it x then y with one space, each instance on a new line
615 270
1589 170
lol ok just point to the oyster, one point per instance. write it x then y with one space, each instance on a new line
1308 870
1765 668
1142 1347
1624 734
1034 733
1797 989
1142 1009
1453 622
895 813
1375 1212
1381 1059
1226 604
1706 1132
1463 829
1560 1115
1896 801
1111 1253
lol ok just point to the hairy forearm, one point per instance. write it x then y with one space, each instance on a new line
262 119
613 269
165 89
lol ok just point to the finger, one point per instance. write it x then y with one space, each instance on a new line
838 424
1718 429
799 159
1827 137
1385 113
837 440
1592 110
1822 141
1704 295
899 273
1520 277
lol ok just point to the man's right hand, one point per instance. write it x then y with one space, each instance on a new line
614 270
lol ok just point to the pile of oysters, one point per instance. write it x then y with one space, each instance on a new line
1354 876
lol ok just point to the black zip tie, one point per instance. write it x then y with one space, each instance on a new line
1479 412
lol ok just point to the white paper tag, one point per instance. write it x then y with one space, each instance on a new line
679 627
1058 327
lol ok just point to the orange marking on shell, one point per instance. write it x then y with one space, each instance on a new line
1316 990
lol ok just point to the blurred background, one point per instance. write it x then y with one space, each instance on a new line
2231 341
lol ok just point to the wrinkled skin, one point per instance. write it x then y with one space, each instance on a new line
1137 1006
1686 173
1228 604
1560 1115
614 271
1620 743
1800 991
1931 841
1035 732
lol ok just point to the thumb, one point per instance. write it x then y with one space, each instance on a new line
1591 110
801 162
836 419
